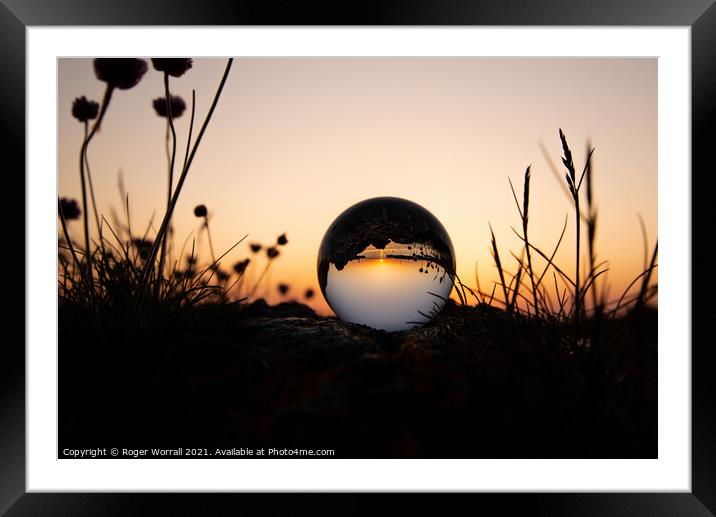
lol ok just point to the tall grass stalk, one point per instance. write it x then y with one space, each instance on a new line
524 215
574 190
641 299
591 227
498 263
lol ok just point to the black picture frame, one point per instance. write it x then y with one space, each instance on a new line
17 15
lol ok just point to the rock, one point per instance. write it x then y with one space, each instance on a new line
282 310
313 343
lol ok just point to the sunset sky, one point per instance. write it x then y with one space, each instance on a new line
295 141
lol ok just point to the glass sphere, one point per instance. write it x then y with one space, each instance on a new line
386 262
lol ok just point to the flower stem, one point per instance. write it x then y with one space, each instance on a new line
170 122
91 189
261 277
83 160
85 224
208 234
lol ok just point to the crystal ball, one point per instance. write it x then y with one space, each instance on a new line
387 263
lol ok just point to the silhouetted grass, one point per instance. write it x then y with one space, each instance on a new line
569 308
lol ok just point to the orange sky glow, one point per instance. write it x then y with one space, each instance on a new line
295 141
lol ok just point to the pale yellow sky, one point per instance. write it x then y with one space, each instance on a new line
295 141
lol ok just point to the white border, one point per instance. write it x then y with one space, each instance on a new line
670 472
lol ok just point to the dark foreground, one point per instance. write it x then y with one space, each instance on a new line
475 383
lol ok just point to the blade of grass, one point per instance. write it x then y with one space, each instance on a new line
496 257
551 263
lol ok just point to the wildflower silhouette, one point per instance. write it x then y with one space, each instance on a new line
176 67
120 73
241 266
176 104
221 275
143 247
201 212
308 294
272 253
69 208
255 247
283 289
84 110
282 240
